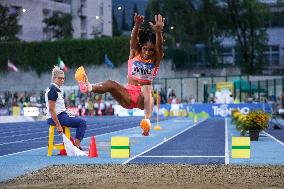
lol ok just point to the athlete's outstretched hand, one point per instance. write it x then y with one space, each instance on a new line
138 19
159 23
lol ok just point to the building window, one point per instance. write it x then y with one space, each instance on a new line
46 13
20 30
83 23
47 34
227 55
101 9
84 35
272 55
15 10
63 1
101 27
83 3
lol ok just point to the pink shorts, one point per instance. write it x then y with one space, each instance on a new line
134 92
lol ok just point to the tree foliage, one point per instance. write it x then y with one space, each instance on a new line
247 21
124 25
41 56
115 29
60 24
192 24
208 29
204 24
8 25
135 10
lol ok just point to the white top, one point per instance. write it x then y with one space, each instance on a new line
54 93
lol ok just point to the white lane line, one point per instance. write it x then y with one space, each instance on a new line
182 156
96 129
125 162
71 133
40 129
273 138
25 134
84 139
226 143
22 130
19 141
21 152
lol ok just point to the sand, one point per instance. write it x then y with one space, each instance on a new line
151 176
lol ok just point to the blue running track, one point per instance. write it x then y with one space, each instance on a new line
23 146
202 144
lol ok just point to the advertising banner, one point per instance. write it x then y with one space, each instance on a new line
211 110
4 111
31 111
16 110
120 111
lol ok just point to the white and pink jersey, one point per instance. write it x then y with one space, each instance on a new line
141 70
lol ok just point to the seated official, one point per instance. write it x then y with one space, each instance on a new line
56 110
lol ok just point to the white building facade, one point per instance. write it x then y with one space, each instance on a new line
274 53
90 18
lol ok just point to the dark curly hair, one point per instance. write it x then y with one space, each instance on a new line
146 35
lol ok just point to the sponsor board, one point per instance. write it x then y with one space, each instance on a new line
212 110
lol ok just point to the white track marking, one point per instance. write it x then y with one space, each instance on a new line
161 143
226 143
182 156
273 138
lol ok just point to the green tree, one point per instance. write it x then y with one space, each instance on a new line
192 24
179 14
153 7
124 25
276 19
208 29
60 24
115 30
8 25
135 10
203 23
248 21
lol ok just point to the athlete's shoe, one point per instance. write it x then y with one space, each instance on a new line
80 74
83 87
82 79
145 125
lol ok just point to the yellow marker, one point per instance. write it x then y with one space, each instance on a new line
120 147
190 115
157 127
203 115
240 147
195 118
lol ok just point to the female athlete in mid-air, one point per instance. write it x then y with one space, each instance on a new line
146 53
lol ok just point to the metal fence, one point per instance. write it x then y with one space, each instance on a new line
200 88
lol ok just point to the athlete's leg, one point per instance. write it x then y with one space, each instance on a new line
117 90
147 102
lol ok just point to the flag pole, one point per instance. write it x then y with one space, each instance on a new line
157 127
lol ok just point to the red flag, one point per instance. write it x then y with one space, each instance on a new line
12 67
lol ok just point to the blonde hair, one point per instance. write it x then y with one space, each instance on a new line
56 71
